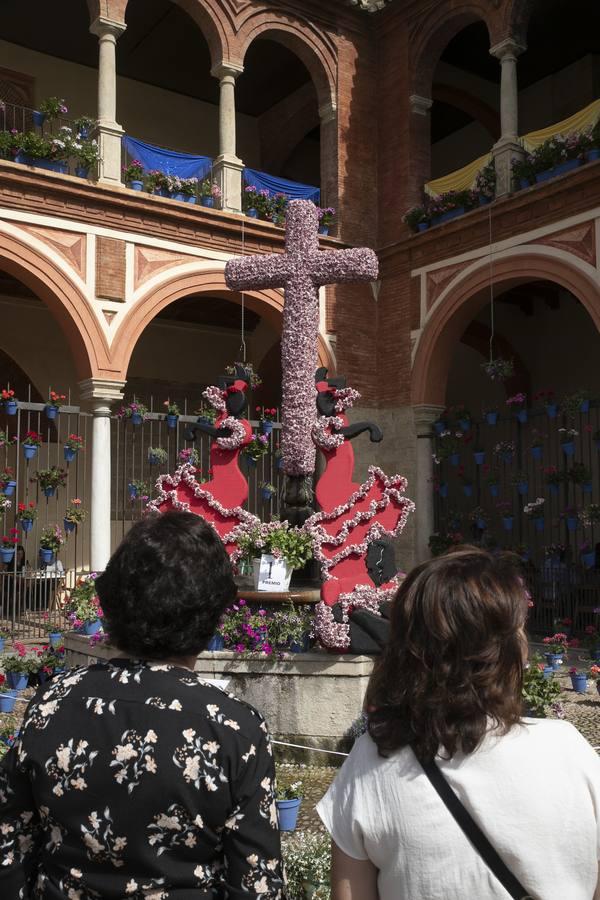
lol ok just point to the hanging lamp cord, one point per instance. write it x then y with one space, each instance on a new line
243 330
491 265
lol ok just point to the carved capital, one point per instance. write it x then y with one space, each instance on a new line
101 394
103 27
226 70
425 415
509 48
420 105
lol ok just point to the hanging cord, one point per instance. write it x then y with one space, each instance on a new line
491 262
243 333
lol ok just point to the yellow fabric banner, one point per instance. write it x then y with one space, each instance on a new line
463 179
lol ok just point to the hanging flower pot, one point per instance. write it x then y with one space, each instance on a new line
51 411
209 202
26 524
572 523
553 488
252 213
443 490
50 490
491 418
584 406
132 491
506 457
480 524
7 554
287 811
539 523
588 559
46 556
479 456
568 448
69 526
494 490
172 421
38 118
536 452
507 522
523 487
250 461
266 426
439 426
552 410
265 494
55 638
464 424
280 462
136 418
217 641
29 450
454 459
8 488
69 453
468 490
522 416
324 229
587 487
10 407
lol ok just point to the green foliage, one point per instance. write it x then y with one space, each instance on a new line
293 544
307 858
539 693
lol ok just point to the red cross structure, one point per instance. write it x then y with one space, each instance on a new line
301 271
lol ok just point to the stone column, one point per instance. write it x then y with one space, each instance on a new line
108 132
509 146
420 147
424 417
100 394
227 170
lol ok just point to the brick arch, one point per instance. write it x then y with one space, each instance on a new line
434 33
301 37
64 299
471 105
267 303
468 293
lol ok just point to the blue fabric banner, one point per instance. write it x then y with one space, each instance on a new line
170 162
292 189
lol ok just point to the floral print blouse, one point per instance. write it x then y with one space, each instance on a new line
134 779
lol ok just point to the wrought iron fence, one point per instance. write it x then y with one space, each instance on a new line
490 472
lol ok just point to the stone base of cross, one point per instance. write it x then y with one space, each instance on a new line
300 271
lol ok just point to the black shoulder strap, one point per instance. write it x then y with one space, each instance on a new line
474 833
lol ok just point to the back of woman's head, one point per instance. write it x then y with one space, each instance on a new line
454 661
166 586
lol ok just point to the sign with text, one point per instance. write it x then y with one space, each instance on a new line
273 574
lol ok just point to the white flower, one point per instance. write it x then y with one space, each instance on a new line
151 737
171 823
209 781
211 747
76 873
192 766
131 887
189 734
175 704
125 752
63 756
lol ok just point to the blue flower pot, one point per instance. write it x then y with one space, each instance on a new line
252 213
539 523
540 177
266 426
8 700
136 418
82 171
324 229
135 185
451 214
26 524
55 638
593 154
553 488
506 457
572 523
7 554
507 522
479 458
494 490
250 462
68 525
595 653
51 411
172 420
190 199
579 683
46 556
523 488
52 165
464 424
484 200
132 491
524 183
69 453
588 560
92 627
468 490
568 448
50 490
29 450
10 407
522 416
454 459
287 811
17 680
480 523
564 167
551 410
179 196
548 672
217 641
265 494
584 406
422 226
491 418
587 488
439 427
443 491
554 660
1 645
38 118
209 202
9 488
536 452
300 647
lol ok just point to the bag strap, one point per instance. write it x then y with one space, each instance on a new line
474 833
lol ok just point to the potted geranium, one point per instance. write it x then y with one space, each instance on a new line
555 648
523 171
74 515
548 398
31 444
535 511
73 444
50 108
570 515
8 545
506 513
517 404
27 514
83 608
157 456
210 192
51 540
463 417
590 514
83 125
572 404
19 664
521 482
137 489
540 688
10 402
50 479
55 401
133 175
173 413
579 679
554 553
554 478
257 447
5 504
136 412
188 188
325 217
279 204
537 444
189 456
288 799
505 450
493 480
7 481
479 455
266 418
8 696
447 448
478 517
250 201
485 183
86 155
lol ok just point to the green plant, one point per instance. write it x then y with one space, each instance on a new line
287 788
188 187
277 538
84 124
553 476
27 512
415 216
50 478
74 513
289 624
207 412
570 403
579 473
485 183
53 107
157 455
523 169
21 659
210 188
499 369
75 442
252 378
307 858
133 408
133 172
51 538
539 693
257 447
590 514
154 181
38 147
441 543
83 604
86 153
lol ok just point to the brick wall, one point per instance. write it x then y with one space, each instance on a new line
110 268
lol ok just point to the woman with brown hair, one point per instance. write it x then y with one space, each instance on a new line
445 697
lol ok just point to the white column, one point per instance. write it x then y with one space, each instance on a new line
101 394
508 147
227 169
108 131
425 416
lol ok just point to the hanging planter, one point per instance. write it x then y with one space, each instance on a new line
507 522
50 491
468 490
29 451
552 410
523 488
443 490
54 404
46 555
7 554
491 417
26 524
216 643
69 525
537 451
494 490
7 396
439 426
8 488
479 456
454 459
568 448
499 369
588 558
587 487
584 406
539 523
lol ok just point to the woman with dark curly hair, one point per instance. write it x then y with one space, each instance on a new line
449 754
133 778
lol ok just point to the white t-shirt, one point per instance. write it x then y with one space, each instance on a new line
535 793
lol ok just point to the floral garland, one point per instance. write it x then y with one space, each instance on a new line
336 635
393 491
328 440
237 437
345 398
185 474
216 397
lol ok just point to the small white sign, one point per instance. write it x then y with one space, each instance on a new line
274 574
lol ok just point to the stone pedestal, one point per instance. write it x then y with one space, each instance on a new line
227 172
